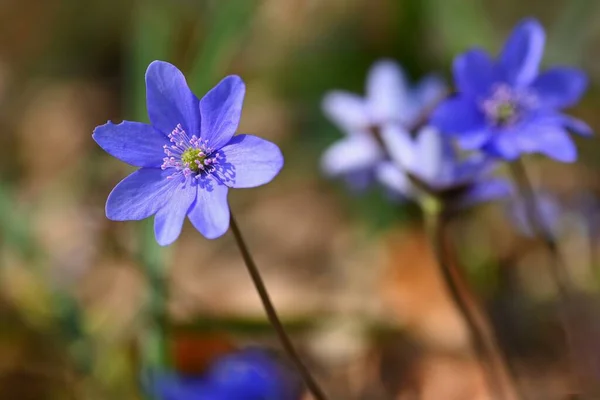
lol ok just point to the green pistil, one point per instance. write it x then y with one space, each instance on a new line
190 156
505 113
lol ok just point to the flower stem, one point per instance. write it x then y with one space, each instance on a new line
484 343
310 382
558 270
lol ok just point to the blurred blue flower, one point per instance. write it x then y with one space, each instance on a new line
428 165
246 375
189 156
547 208
506 108
388 100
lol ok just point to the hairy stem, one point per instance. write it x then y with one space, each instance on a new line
484 342
308 379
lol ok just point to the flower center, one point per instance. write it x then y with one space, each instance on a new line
193 158
188 156
506 106
505 113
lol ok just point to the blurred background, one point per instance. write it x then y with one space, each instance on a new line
351 274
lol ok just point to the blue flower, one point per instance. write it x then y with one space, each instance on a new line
388 100
547 207
189 156
250 374
506 108
428 165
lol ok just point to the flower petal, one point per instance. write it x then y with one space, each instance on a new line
522 53
221 110
555 142
474 166
348 111
387 92
475 139
474 73
560 87
135 143
504 145
457 115
433 155
576 125
350 154
210 212
487 190
252 161
394 179
172 387
428 92
399 145
140 195
169 99
169 219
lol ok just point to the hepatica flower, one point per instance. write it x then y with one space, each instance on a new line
246 375
506 107
428 165
388 100
188 154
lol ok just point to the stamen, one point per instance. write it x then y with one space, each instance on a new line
188 156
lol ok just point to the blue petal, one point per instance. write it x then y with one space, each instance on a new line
254 374
474 166
172 387
522 53
359 180
489 190
555 142
221 110
169 99
348 111
394 179
503 145
399 145
132 142
169 219
433 155
210 212
475 139
387 92
458 114
140 195
474 73
356 152
576 125
560 87
427 93
253 161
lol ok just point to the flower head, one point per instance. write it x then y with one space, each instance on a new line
506 108
428 165
388 100
188 154
250 374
